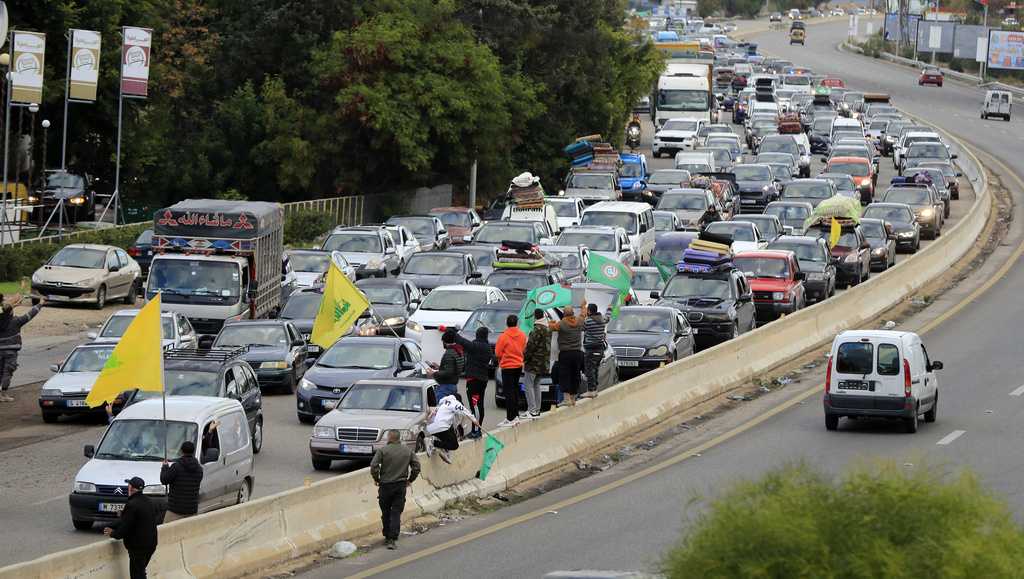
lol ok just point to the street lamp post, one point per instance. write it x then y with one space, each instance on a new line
46 131
32 108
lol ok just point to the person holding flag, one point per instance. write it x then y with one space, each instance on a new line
594 343
340 308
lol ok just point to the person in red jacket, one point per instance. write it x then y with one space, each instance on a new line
509 351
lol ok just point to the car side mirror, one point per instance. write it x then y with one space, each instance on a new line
476 275
407 365
935 365
89 451
800 276
211 455
655 294
54 367
114 268
414 302
92 335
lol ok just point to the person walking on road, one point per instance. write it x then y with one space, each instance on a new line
595 340
136 528
452 366
570 354
440 428
10 341
393 468
479 354
509 351
536 362
183 478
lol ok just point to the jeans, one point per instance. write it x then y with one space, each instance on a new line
510 387
592 363
531 382
8 364
391 498
570 364
475 391
138 561
446 390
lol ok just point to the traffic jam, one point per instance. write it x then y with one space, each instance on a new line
749 188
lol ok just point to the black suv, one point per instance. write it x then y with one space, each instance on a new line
719 305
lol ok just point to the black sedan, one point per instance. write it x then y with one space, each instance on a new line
432 269
301 309
393 301
815 261
757 187
647 337
142 251
276 350
903 221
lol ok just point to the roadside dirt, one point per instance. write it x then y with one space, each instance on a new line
62 320
22 424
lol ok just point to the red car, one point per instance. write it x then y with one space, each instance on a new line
930 75
832 82
458 221
776 280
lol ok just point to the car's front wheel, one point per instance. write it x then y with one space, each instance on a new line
257 436
321 463
81 525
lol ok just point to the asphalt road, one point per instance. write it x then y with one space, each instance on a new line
629 527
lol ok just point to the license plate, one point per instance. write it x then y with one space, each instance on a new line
58 298
853 385
748 200
628 363
357 448
149 252
111 507
76 404
329 404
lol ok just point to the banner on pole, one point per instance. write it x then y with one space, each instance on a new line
85 65
27 67
135 53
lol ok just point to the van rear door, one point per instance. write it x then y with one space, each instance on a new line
869 368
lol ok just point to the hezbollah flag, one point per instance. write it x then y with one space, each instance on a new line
611 273
342 305
137 360
665 270
544 298
835 233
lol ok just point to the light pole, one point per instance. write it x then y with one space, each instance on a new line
32 108
46 131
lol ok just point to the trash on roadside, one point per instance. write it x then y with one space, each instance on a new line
341 550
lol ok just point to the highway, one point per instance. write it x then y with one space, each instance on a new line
602 524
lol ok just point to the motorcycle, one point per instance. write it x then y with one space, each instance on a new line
633 134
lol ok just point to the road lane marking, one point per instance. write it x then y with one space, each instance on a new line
1018 391
949 438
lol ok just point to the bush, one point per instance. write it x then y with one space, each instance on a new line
303 227
877 521
18 261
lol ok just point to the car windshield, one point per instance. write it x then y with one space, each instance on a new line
873 230
844 183
384 295
631 170
647 280
353 243
654 322
345 354
420 226
627 221
804 251
848 239
148 440
483 256
79 257
516 281
454 300
854 169
928 150
798 80
821 125
679 125
564 208
454 218
664 221
809 190
878 125
890 214
762 267
908 195
435 264
116 326
591 181
697 287
492 319
383 397
778 146
252 335
498 232
87 359
569 260
738 231
309 262
594 241
196 277
188 383
792 215
752 173
302 306
682 100
765 224
695 167
65 180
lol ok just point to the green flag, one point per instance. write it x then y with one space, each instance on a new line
665 269
492 446
609 272
545 298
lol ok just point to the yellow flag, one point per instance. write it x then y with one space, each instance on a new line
342 305
137 359
835 233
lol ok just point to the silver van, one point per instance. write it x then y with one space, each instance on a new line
134 445
636 218
877 373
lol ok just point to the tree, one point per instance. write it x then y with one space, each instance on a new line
875 521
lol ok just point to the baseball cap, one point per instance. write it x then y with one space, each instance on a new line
136 482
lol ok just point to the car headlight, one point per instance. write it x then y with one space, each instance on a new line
85 283
414 326
396 321
778 296
306 384
77 200
851 258
33 199
905 234
154 490
49 393
927 213
36 278
815 276
375 263
274 365
659 351
637 186
323 432
83 487
879 251
765 188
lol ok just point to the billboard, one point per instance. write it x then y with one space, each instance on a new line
135 53
935 36
27 67
965 40
892 28
85 65
1006 49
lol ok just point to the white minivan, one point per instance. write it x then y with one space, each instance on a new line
637 219
877 373
133 445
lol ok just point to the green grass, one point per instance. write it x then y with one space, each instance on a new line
10 287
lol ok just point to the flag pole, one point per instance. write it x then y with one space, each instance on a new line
380 320
163 389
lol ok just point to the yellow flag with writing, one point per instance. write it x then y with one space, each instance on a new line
137 359
835 233
342 305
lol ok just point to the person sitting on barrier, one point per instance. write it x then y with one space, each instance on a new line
441 426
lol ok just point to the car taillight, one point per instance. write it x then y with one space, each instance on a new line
134 251
906 378
828 376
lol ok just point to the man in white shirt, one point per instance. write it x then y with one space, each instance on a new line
441 426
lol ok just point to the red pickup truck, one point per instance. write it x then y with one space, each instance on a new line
776 280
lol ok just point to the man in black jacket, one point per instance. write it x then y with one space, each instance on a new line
479 354
10 342
183 476
137 528
453 364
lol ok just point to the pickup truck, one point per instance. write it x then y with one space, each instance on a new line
776 280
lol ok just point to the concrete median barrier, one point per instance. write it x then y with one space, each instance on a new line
249 537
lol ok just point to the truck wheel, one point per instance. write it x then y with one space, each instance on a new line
81 525
101 297
831 422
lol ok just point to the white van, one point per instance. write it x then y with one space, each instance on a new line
845 125
133 445
696 162
637 219
998 103
544 213
879 373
